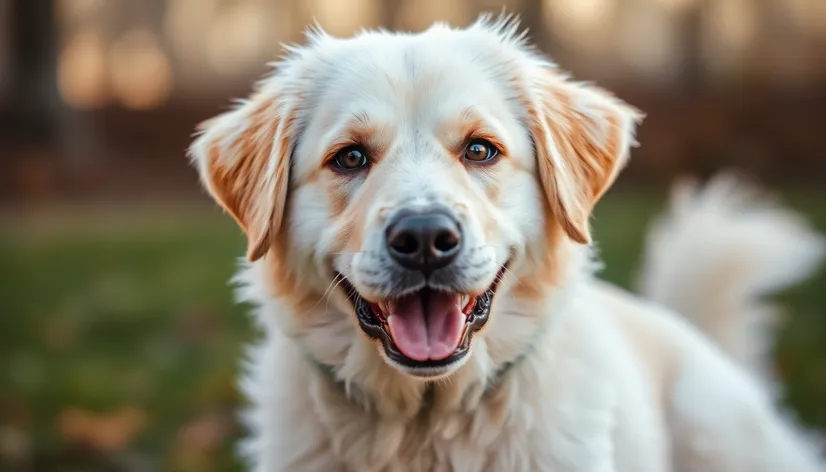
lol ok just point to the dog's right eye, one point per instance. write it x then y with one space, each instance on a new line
350 158
480 151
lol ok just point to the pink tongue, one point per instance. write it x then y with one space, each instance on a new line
428 327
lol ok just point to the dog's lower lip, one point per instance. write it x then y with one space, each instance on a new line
372 319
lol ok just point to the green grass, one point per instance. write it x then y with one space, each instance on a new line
108 317
98 314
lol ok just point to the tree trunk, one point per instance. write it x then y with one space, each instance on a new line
691 31
389 13
533 18
30 122
34 99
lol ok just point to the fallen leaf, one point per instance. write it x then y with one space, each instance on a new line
198 439
105 433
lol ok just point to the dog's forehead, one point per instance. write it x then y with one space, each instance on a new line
403 71
407 83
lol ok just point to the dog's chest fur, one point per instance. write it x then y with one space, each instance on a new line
505 431
548 413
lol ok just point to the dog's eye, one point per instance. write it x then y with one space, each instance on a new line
350 158
480 150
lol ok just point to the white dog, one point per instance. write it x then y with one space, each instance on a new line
417 212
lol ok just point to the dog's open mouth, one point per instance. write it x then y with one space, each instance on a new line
425 329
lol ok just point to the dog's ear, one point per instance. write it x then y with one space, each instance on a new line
582 135
243 157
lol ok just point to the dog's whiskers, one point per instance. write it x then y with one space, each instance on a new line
341 280
337 280
508 271
329 289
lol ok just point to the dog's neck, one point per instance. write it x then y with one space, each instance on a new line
430 390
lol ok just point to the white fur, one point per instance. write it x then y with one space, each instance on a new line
601 381
718 252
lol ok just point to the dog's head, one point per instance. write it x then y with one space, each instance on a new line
421 182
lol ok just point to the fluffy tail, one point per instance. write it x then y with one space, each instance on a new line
717 252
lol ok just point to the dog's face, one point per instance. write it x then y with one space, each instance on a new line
412 174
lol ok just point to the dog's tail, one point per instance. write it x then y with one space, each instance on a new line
714 255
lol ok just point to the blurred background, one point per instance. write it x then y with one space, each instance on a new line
119 340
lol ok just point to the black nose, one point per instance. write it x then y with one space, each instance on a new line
424 241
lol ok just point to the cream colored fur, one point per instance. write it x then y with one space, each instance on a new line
601 381
717 253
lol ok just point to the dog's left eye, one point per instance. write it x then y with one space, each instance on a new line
480 150
350 158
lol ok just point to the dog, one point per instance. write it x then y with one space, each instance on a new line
416 208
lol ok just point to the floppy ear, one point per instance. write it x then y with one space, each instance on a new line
243 158
583 135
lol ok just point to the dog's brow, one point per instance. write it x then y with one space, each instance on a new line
353 127
359 122
472 121
361 118
358 128
470 113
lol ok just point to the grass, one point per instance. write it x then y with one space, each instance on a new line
119 339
